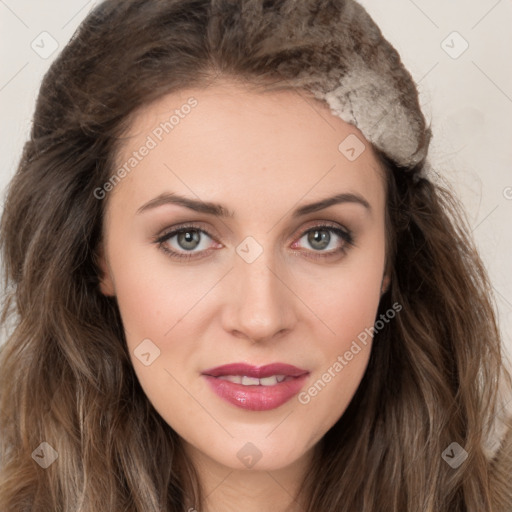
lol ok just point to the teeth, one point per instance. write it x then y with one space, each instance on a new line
253 381
269 381
250 381
235 379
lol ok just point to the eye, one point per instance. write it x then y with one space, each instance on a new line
190 241
185 242
327 240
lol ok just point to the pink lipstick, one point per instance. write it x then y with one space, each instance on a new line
256 388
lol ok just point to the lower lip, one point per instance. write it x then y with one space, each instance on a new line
256 398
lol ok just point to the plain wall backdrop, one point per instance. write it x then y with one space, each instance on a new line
458 52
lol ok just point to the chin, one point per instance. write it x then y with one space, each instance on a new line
255 455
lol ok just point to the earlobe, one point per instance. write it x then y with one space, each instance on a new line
106 283
386 280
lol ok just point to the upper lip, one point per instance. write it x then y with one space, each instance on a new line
258 372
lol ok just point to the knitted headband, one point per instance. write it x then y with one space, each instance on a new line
359 74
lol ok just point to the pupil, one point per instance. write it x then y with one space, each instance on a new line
319 238
188 239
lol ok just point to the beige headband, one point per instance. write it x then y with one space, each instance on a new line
368 101
360 75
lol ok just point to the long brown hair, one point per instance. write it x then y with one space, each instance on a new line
65 374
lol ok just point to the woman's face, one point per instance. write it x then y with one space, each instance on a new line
280 261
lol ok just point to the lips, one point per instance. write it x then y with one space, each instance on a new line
258 372
256 388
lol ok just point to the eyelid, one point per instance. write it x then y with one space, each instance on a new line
199 226
321 224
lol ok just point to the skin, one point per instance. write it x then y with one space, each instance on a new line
260 155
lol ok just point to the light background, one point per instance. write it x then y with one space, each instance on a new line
467 99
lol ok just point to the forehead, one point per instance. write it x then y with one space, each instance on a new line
228 140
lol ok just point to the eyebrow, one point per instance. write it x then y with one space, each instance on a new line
220 211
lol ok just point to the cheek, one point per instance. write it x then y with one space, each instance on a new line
152 304
151 298
347 302
353 298
347 296
344 357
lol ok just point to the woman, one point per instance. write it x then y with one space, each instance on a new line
233 282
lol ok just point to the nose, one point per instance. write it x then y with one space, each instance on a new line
261 305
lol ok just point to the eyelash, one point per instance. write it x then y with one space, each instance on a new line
345 235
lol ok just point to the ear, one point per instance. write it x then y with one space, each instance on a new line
386 280
106 283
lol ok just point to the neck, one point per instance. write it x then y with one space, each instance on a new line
226 489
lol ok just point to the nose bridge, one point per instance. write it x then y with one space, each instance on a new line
260 305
